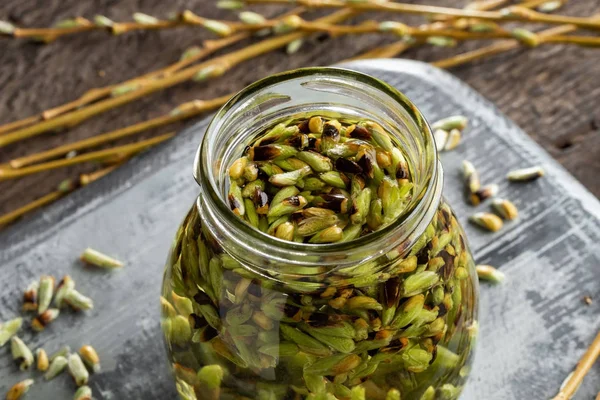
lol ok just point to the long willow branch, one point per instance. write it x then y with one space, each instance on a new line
142 22
11 126
92 95
64 189
574 380
407 31
399 47
42 201
190 56
85 179
180 113
502 47
204 70
113 154
513 13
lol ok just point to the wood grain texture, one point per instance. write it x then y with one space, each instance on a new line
533 330
552 92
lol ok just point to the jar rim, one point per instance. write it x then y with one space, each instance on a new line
427 197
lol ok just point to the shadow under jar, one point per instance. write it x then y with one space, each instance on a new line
388 315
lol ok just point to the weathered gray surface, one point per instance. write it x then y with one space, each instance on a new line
533 329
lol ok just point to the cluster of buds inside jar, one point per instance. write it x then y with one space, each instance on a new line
388 327
321 181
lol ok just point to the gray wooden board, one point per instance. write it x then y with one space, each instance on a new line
534 328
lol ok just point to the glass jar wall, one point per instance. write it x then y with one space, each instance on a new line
388 315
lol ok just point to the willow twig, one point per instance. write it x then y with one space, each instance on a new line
226 28
190 56
513 13
180 113
86 179
48 35
417 32
141 22
42 201
20 123
92 95
64 188
209 47
208 69
536 3
502 47
112 154
571 384
399 47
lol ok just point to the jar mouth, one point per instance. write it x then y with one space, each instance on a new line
426 196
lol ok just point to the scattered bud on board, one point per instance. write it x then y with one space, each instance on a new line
30 297
505 208
57 366
471 179
40 322
453 140
63 351
19 389
490 222
21 353
65 284
525 174
77 369
90 358
94 257
441 137
78 301
83 393
42 360
45 293
9 329
454 122
489 273
484 193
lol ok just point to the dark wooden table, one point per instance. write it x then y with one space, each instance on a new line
552 92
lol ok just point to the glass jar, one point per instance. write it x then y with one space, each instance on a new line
386 316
